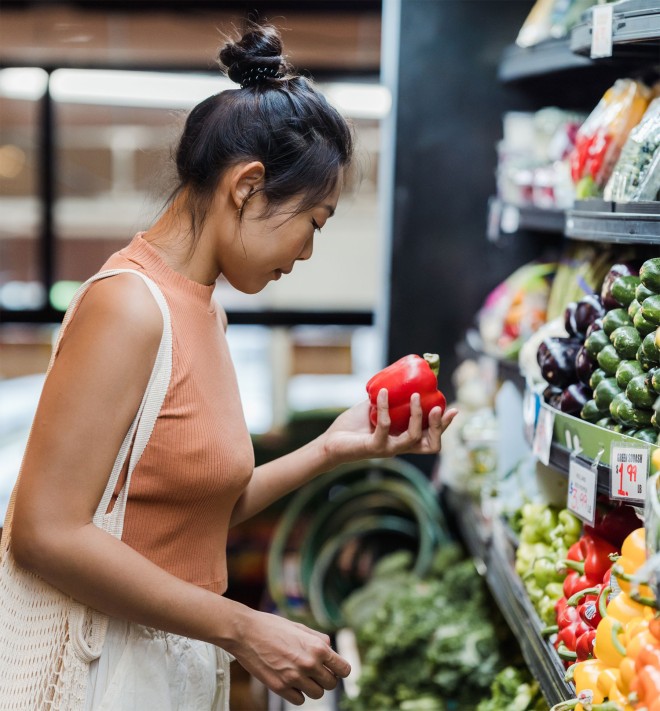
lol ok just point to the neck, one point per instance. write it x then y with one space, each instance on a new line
172 237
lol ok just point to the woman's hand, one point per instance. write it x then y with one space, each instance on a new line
351 436
292 660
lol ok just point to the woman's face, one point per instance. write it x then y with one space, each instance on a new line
263 249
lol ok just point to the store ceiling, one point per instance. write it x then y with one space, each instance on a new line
323 37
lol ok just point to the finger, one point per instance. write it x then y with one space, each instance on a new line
383 412
435 429
448 417
324 678
293 696
415 422
337 665
310 688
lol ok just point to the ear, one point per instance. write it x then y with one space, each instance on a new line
244 179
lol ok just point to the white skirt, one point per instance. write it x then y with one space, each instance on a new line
141 668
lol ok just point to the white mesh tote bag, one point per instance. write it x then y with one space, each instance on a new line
47 639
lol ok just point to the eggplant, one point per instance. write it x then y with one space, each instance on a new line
596 325
617 270
569 319
584 365
556 358
551 395
588 309
574 398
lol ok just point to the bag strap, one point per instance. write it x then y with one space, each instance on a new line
142 426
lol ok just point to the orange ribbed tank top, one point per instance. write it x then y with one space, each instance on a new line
199 457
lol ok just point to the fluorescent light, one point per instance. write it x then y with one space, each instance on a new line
27 83
168 90
360 100
127 88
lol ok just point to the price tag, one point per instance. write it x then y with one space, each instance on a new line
601 31
582 481
629 467
543 435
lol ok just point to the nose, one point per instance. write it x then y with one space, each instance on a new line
307 250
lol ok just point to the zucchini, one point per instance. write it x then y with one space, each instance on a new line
639 394
650 349
605 392
642 324
615 318
628 414
590 411
647 434
649 274
642 292
627 370
651 309
626 340
624 289
596 342
609 359
598 375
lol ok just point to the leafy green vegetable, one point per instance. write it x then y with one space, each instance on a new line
514 689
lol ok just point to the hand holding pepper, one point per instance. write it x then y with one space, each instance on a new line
407 376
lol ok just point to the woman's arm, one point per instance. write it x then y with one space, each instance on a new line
88 402
349 438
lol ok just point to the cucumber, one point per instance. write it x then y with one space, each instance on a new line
596 342
605 392
642 292
647 434
624 289
590 411
615 318
639 394
626 340
641 324
651 309
598 375
650 349
649 274
627 370
609 359
633 308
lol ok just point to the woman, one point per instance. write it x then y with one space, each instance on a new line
260 171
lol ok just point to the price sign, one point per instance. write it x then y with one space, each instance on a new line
629 467
543 435
582 483
601 31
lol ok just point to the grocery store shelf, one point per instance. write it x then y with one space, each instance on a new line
560 460
603 221
635 30
505 218
488 541
544 58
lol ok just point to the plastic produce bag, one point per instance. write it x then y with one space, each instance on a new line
601 137
636 175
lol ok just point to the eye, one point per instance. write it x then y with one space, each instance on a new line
316 226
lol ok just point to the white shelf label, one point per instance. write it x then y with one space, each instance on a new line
601 31
543 435
629 467
582 482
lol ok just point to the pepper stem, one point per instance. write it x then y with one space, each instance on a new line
433 359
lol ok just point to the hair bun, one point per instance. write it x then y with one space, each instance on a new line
256 57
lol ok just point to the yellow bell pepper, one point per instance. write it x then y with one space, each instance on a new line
623 608
585 676
633 556
608 646
625 674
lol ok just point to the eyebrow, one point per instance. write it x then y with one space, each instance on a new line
330 209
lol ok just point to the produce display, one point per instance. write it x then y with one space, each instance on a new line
606 370
514 689
636 175
426 644
601 137
408 375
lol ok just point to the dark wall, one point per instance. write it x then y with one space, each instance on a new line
449 120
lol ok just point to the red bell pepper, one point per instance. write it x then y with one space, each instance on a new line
614 524
407 376
596 558
584 646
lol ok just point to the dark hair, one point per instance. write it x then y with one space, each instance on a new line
276 117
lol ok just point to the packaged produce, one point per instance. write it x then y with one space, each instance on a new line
601 137
636 175
551 19
408 375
